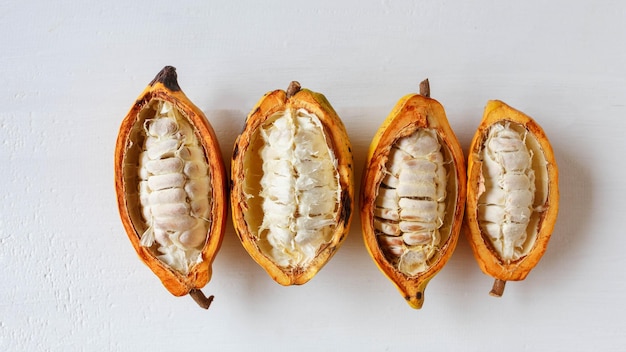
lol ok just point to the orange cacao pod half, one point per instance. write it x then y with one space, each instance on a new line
291 184
413 194
170 185
512 194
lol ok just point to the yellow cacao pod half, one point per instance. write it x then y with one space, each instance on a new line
512 194
291 184
413 194
171 186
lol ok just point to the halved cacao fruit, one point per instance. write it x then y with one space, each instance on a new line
413 194
171 186
291 184
512 194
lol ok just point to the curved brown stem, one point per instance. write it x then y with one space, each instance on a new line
294 87
202 300
425 88
498 288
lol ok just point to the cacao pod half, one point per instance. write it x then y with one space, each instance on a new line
413 194
512 194
291 184
170 185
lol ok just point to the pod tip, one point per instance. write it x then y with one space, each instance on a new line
168 77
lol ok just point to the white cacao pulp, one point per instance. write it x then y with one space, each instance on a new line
509 196
174 189
411 203
294 204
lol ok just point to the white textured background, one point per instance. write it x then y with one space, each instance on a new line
69 71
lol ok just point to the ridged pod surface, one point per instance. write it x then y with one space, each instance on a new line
171 186
512 194
291 184
413 194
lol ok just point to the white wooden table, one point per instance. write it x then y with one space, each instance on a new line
70 71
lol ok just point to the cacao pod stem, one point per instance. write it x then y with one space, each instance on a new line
294 87
202 300
425 88
498 288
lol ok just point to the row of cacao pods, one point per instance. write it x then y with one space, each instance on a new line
292 196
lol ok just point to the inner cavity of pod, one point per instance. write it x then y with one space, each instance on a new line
292 188
168 189
513 187
415 202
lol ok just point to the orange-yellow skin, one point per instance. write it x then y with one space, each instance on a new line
412 112
315 103
200 274
488 260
